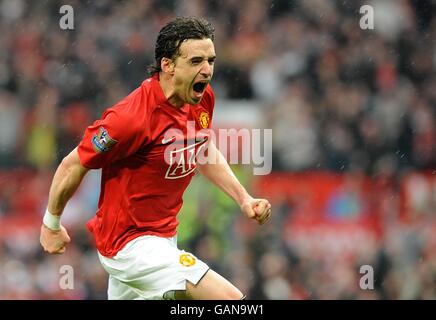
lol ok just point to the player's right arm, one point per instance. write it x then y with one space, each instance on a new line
65 182
117 135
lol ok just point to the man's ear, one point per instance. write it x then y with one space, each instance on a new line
167 65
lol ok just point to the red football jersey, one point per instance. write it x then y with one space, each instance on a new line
146 148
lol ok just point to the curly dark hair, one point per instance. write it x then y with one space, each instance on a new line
174 33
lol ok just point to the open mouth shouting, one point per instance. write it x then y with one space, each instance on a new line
199 87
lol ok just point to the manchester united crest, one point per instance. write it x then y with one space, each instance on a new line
187 260
204 120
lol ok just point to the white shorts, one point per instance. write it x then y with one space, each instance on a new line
151 268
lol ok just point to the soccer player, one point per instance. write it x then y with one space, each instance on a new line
142 183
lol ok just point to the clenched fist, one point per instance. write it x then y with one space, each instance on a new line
257 209
54 241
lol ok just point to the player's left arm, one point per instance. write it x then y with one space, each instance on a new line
218 171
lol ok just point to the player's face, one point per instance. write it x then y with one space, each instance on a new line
193 69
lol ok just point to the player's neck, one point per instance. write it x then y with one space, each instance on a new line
169 92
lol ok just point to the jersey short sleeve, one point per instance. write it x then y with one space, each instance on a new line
118 134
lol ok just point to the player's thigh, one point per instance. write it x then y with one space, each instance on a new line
211 287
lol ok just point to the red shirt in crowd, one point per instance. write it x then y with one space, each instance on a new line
141 191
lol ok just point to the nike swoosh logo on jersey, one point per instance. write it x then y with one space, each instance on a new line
165 141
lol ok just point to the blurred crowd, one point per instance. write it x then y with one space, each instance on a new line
338 98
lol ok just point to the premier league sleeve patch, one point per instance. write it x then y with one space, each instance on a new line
102 141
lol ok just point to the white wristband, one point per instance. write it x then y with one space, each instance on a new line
51 221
